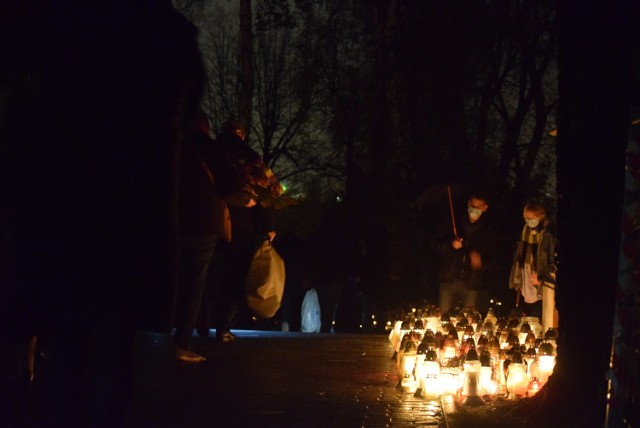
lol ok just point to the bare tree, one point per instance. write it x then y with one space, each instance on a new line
245 99
514 93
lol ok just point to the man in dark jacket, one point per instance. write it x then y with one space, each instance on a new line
466 256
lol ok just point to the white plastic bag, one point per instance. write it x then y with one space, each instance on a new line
310 315
265 281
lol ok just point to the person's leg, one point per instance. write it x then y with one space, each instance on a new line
236 259
223 302
482 302
286 306
29 374
446 296
470 298
548 307
196 253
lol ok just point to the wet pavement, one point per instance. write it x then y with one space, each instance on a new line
275 379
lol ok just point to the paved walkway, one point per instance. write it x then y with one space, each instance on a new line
273 379
270 379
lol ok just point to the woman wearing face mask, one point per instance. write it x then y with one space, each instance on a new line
533 272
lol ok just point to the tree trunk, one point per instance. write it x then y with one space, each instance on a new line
246 63
592 125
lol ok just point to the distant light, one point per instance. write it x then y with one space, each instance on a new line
360 325
375 322
388 322
491 301
413 310
284 187
338 198
373 316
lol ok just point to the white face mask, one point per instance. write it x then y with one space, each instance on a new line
474 213
533 222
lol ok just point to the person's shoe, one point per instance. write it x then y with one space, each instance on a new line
188 356
226 337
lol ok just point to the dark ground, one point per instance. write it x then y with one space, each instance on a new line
266 379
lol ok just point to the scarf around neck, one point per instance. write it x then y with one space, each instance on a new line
530 240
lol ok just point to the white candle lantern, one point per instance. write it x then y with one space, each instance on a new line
546 361
529 357
517 379
534 322
450 349
471 380
551 336
406 366
525 329
433 319
395 335
491 317
451 382
487 384
430 383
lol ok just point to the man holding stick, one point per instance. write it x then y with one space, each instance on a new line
465 249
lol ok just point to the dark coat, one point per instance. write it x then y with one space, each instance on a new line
455 264
197 195
545 260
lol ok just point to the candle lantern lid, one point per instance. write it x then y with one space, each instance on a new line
485 358
531 352
454 333
433 311
483 341
410 346
512 338
530 339
516 357
431 355
546 349
472 354
551 334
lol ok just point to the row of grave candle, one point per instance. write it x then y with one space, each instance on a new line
470 358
